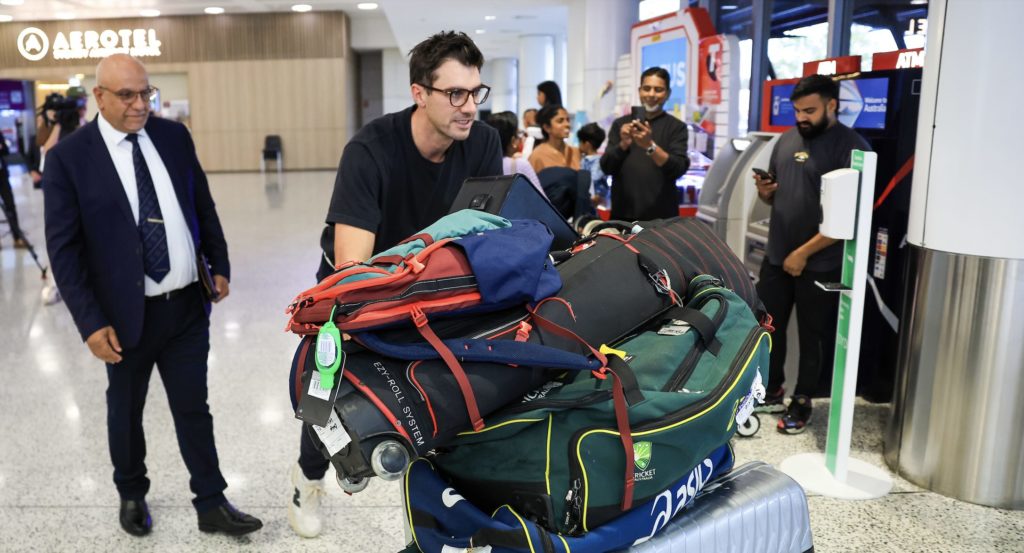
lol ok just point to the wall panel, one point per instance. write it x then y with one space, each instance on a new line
204 38
251 76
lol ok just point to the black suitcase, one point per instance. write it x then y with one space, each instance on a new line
514 197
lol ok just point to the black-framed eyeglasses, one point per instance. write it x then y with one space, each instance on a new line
128 96
459 96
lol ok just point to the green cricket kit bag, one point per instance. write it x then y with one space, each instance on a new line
557 457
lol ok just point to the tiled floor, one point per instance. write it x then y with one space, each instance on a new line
55 489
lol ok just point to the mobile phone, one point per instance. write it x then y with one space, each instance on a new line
833 286
638 113
763 174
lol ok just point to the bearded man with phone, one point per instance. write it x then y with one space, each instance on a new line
797 255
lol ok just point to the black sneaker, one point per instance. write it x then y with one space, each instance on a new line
797 416
772 401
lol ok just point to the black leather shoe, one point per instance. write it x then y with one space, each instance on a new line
135 517
228 520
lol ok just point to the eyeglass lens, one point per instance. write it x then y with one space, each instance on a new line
128 96
460 96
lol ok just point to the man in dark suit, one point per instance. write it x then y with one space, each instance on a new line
127 210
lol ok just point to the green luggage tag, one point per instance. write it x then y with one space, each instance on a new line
328 352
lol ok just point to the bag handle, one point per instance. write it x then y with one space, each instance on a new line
704 326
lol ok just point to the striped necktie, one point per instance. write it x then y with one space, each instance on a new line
156 261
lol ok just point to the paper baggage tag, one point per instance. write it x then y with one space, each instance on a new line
317 403
674 327
316 388
333 434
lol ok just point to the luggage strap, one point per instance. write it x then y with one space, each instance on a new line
301 368
658 276
625 392
619 369
704 326
423 327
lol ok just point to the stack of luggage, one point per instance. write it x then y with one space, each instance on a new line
534 400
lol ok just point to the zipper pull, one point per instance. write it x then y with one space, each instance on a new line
523 332
573 507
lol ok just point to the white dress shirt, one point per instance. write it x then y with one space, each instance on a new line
180 249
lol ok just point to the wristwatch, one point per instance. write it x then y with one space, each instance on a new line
651 148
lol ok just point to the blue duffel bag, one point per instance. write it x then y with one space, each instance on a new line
443 521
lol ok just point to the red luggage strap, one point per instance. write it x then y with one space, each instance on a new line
625 390
301 369
625 434
378 403
420 320
423 394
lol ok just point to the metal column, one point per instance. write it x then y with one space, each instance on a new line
761 12
840 17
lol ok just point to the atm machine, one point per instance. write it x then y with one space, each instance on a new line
756 237
883 106
728 189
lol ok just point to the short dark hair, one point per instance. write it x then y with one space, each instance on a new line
545 115
552 94
427 56
507 125
659 72
592 133
534 110
824 86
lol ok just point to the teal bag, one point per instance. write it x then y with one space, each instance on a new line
557 457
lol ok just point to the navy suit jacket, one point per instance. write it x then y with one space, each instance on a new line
93 239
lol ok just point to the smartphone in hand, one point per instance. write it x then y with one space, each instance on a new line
764 174
638 113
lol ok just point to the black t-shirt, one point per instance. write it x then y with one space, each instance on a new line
640 189
384 185
798 164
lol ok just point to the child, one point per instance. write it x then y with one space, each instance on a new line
591 136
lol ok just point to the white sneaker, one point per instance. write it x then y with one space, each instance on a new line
304 506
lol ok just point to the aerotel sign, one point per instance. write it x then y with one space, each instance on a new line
34 44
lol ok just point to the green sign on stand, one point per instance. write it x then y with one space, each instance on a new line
842 338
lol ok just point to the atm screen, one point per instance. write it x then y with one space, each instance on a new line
781 108
862 102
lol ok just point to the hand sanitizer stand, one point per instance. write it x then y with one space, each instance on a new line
846 197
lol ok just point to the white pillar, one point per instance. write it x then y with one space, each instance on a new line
502 76
960 395
966 196
536 65
395 77
561 62
573 92
598 36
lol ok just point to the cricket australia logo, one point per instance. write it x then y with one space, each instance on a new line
642 456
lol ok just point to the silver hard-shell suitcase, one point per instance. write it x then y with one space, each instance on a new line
754 508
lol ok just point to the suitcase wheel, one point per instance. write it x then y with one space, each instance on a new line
750 427
352 485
